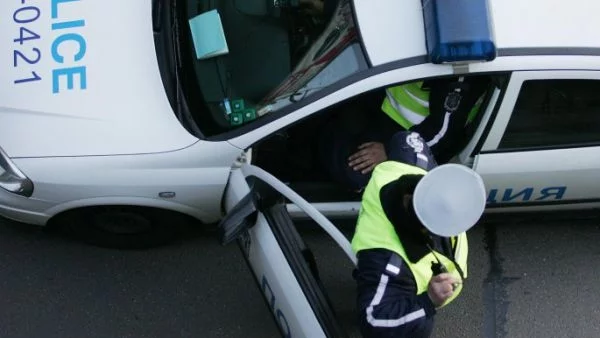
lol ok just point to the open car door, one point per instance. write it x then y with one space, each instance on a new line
283 267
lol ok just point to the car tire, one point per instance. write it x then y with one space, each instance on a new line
123 227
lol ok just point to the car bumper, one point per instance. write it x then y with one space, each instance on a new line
23 209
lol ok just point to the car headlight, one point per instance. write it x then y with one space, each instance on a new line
12 179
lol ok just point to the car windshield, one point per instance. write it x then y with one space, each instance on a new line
243 59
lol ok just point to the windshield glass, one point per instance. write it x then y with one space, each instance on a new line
244 59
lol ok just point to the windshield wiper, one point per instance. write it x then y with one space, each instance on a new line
175 34
182 111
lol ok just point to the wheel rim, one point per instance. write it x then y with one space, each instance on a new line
122 222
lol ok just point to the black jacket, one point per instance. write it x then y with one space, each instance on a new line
399 299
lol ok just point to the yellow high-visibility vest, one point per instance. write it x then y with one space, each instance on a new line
408 104
375 231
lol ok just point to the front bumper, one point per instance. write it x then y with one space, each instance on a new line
23 209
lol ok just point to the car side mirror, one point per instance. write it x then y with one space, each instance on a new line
239 219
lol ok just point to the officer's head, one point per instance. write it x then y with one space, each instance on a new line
447 200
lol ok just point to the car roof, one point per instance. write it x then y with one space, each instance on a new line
393 30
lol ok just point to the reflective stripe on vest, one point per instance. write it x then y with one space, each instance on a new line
475 109
407 104
375 231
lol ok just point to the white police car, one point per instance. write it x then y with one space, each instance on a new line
118 117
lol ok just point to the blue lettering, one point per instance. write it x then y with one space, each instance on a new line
265 286
492 196
527 192
285 327
69 73
68 37
279 316
55 7
557 192
68 24
26 56
75 56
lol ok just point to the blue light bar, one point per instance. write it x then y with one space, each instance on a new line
458 31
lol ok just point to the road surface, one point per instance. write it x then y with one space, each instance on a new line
527 278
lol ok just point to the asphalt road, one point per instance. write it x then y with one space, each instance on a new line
527 278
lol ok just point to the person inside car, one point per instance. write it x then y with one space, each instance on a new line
410 239
439 110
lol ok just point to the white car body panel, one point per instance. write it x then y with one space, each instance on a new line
197 175
117 141
383 25
538 170
545 23
539 63
123 108
277 282
537 175
517 24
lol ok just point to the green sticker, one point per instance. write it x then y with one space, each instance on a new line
236 119
249 114
237 105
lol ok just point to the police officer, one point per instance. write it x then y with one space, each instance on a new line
439 110
410 239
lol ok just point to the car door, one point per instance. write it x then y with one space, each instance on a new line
543 148
282 265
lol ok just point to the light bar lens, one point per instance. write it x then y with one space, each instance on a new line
458 31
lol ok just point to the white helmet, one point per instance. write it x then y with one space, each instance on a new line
449 199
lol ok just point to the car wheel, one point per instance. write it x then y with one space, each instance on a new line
123 227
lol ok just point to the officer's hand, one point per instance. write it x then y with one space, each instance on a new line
440 288
367 157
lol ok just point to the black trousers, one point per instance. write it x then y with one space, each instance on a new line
387 301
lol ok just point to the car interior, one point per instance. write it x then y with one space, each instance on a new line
266 39
295 156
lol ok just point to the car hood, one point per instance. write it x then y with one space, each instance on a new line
99 90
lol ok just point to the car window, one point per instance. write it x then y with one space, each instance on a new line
278 55
552 113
